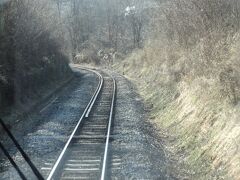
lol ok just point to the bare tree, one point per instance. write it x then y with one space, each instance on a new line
136 21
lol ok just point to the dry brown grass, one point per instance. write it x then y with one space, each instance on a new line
190 73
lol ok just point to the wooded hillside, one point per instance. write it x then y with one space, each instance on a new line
32 54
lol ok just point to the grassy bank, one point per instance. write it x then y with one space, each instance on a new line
199 126
192 93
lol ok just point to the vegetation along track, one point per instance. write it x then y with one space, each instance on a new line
85 155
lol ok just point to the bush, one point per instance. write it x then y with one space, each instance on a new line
205 34
31 53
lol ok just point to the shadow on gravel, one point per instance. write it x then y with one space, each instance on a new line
44 132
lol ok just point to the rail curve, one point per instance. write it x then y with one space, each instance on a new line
86 153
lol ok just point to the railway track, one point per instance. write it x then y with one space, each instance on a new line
86 153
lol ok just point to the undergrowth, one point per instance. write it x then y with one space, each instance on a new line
189 72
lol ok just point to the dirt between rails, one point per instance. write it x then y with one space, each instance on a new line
47 129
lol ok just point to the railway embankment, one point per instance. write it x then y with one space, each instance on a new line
197 123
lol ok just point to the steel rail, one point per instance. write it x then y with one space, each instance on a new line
86 112
103 174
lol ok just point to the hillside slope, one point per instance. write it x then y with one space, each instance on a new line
32 59
188 73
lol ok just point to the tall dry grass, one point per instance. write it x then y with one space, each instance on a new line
202 38
189 70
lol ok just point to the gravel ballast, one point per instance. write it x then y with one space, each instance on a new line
134 140
45 131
